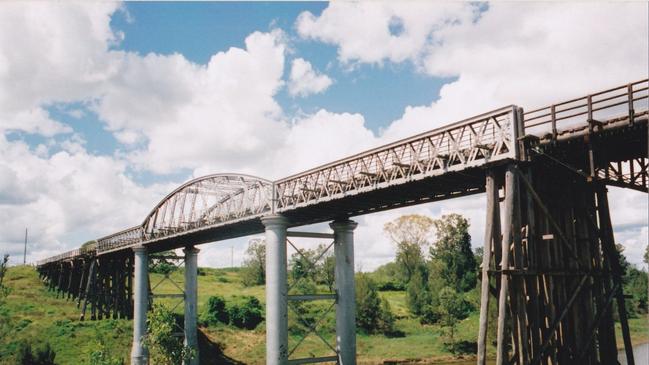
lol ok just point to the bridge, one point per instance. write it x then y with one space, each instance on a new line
550 260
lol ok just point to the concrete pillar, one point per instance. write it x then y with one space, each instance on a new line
139 353
191 296
276 290
345 288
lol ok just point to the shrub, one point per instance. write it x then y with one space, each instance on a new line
41 354
390 285
246 314
418 295
216 310
166 348
373 314
103 356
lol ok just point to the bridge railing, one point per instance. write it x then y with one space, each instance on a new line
83 251
128 237
576 113
473 142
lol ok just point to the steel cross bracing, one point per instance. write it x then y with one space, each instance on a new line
435 165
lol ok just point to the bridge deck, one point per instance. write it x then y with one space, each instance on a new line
440 164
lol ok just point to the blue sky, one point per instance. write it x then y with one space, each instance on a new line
106 107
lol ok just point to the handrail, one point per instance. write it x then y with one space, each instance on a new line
589 104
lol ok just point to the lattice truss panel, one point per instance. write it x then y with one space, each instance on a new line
127 237
630 174
306 325
473 142
207 201
72 254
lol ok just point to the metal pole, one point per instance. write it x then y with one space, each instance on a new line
139 353
191 294
345 288
276 290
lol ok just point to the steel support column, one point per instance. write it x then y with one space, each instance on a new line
345 288
276 290
191 295
139 353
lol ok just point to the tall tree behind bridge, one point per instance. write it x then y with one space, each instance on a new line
254 265
410 233
452 248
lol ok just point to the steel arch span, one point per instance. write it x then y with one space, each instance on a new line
207 201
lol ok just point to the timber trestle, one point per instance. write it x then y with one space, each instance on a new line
100 285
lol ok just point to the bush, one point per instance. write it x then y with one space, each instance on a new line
418 295
246 314
216 310
373 314
430 315
166 348
41 354
390 285
103 356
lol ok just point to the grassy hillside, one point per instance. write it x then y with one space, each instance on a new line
38 315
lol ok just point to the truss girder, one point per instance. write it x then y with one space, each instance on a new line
474 142
203 202
630 174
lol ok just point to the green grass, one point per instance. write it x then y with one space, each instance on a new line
38 314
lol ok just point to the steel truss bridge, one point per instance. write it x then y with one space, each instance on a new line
550 259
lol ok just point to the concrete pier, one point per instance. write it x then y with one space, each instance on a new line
191 296
345 288
139 353
276 290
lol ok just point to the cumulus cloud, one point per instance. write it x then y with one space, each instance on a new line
170 114
304 80
65 198
52 51
376 31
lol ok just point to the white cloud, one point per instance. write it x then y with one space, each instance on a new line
304 80
373 32
171 114
65 198
52 51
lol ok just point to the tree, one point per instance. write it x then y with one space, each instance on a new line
451 311
373 314
418 297
254 266
327 271
646 255
302 265
452 247
410 233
